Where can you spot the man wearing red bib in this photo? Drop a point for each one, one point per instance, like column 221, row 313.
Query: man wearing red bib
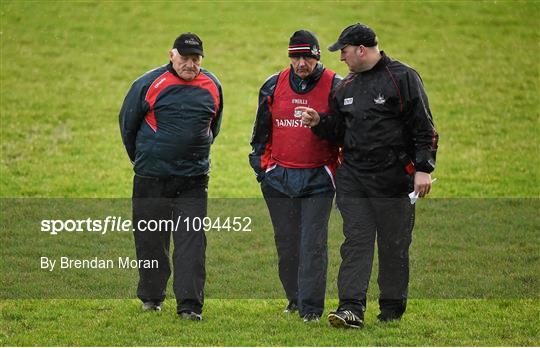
column 296, row 170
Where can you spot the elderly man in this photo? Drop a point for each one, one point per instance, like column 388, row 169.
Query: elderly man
column 296, row 171
column 170, row 117
column 381, row 114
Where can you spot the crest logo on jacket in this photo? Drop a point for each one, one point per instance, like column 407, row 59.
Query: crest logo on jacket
column 379, row 100
column 348, row 101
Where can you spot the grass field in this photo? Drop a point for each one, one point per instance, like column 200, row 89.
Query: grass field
column 65, row 68
column 261, row 323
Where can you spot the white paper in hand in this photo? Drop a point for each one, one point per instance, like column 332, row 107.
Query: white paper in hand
column 413, row 196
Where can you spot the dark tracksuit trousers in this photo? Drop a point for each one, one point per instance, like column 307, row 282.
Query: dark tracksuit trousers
column 374, row 206
column 301, row 236
column 167, row 199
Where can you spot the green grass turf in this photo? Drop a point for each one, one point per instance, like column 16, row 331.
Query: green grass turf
column 262, row 323
column 65, row 68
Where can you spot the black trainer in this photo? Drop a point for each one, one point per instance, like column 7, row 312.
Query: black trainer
column 151, row 306
column 190, row 315
column 389, row 315
column 291, row 307
column 391, row 309
column 346, row 319
column 311, row 318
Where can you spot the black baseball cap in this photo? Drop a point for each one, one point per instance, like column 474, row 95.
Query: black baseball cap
column 189, row 43
column 355, row 35
column 304, row 43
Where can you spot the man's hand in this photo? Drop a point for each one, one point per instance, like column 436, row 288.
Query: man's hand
column 422, row 183
column 310, row 117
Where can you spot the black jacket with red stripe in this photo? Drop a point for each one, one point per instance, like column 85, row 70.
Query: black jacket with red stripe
column 382, row 115
column 295, row 182
column 168, row 124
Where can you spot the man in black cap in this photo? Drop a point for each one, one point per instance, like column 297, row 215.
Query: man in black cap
column 296, row 170
column 170, row 117
column 381, row 114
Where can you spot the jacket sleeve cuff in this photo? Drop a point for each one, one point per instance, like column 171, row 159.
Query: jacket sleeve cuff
column 426, row 167
column 317, row 130
column 425, row 161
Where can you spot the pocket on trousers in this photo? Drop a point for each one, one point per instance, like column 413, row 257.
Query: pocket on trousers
column 146, row 187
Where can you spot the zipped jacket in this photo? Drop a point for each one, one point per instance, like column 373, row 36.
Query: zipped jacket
column 290, row 177
column 168, row 124
column 382, row 115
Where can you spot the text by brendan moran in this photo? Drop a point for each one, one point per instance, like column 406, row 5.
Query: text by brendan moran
column 95, row 263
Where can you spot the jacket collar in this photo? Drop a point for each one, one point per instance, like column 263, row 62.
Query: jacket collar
column 382, row 62
column 305, row 85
